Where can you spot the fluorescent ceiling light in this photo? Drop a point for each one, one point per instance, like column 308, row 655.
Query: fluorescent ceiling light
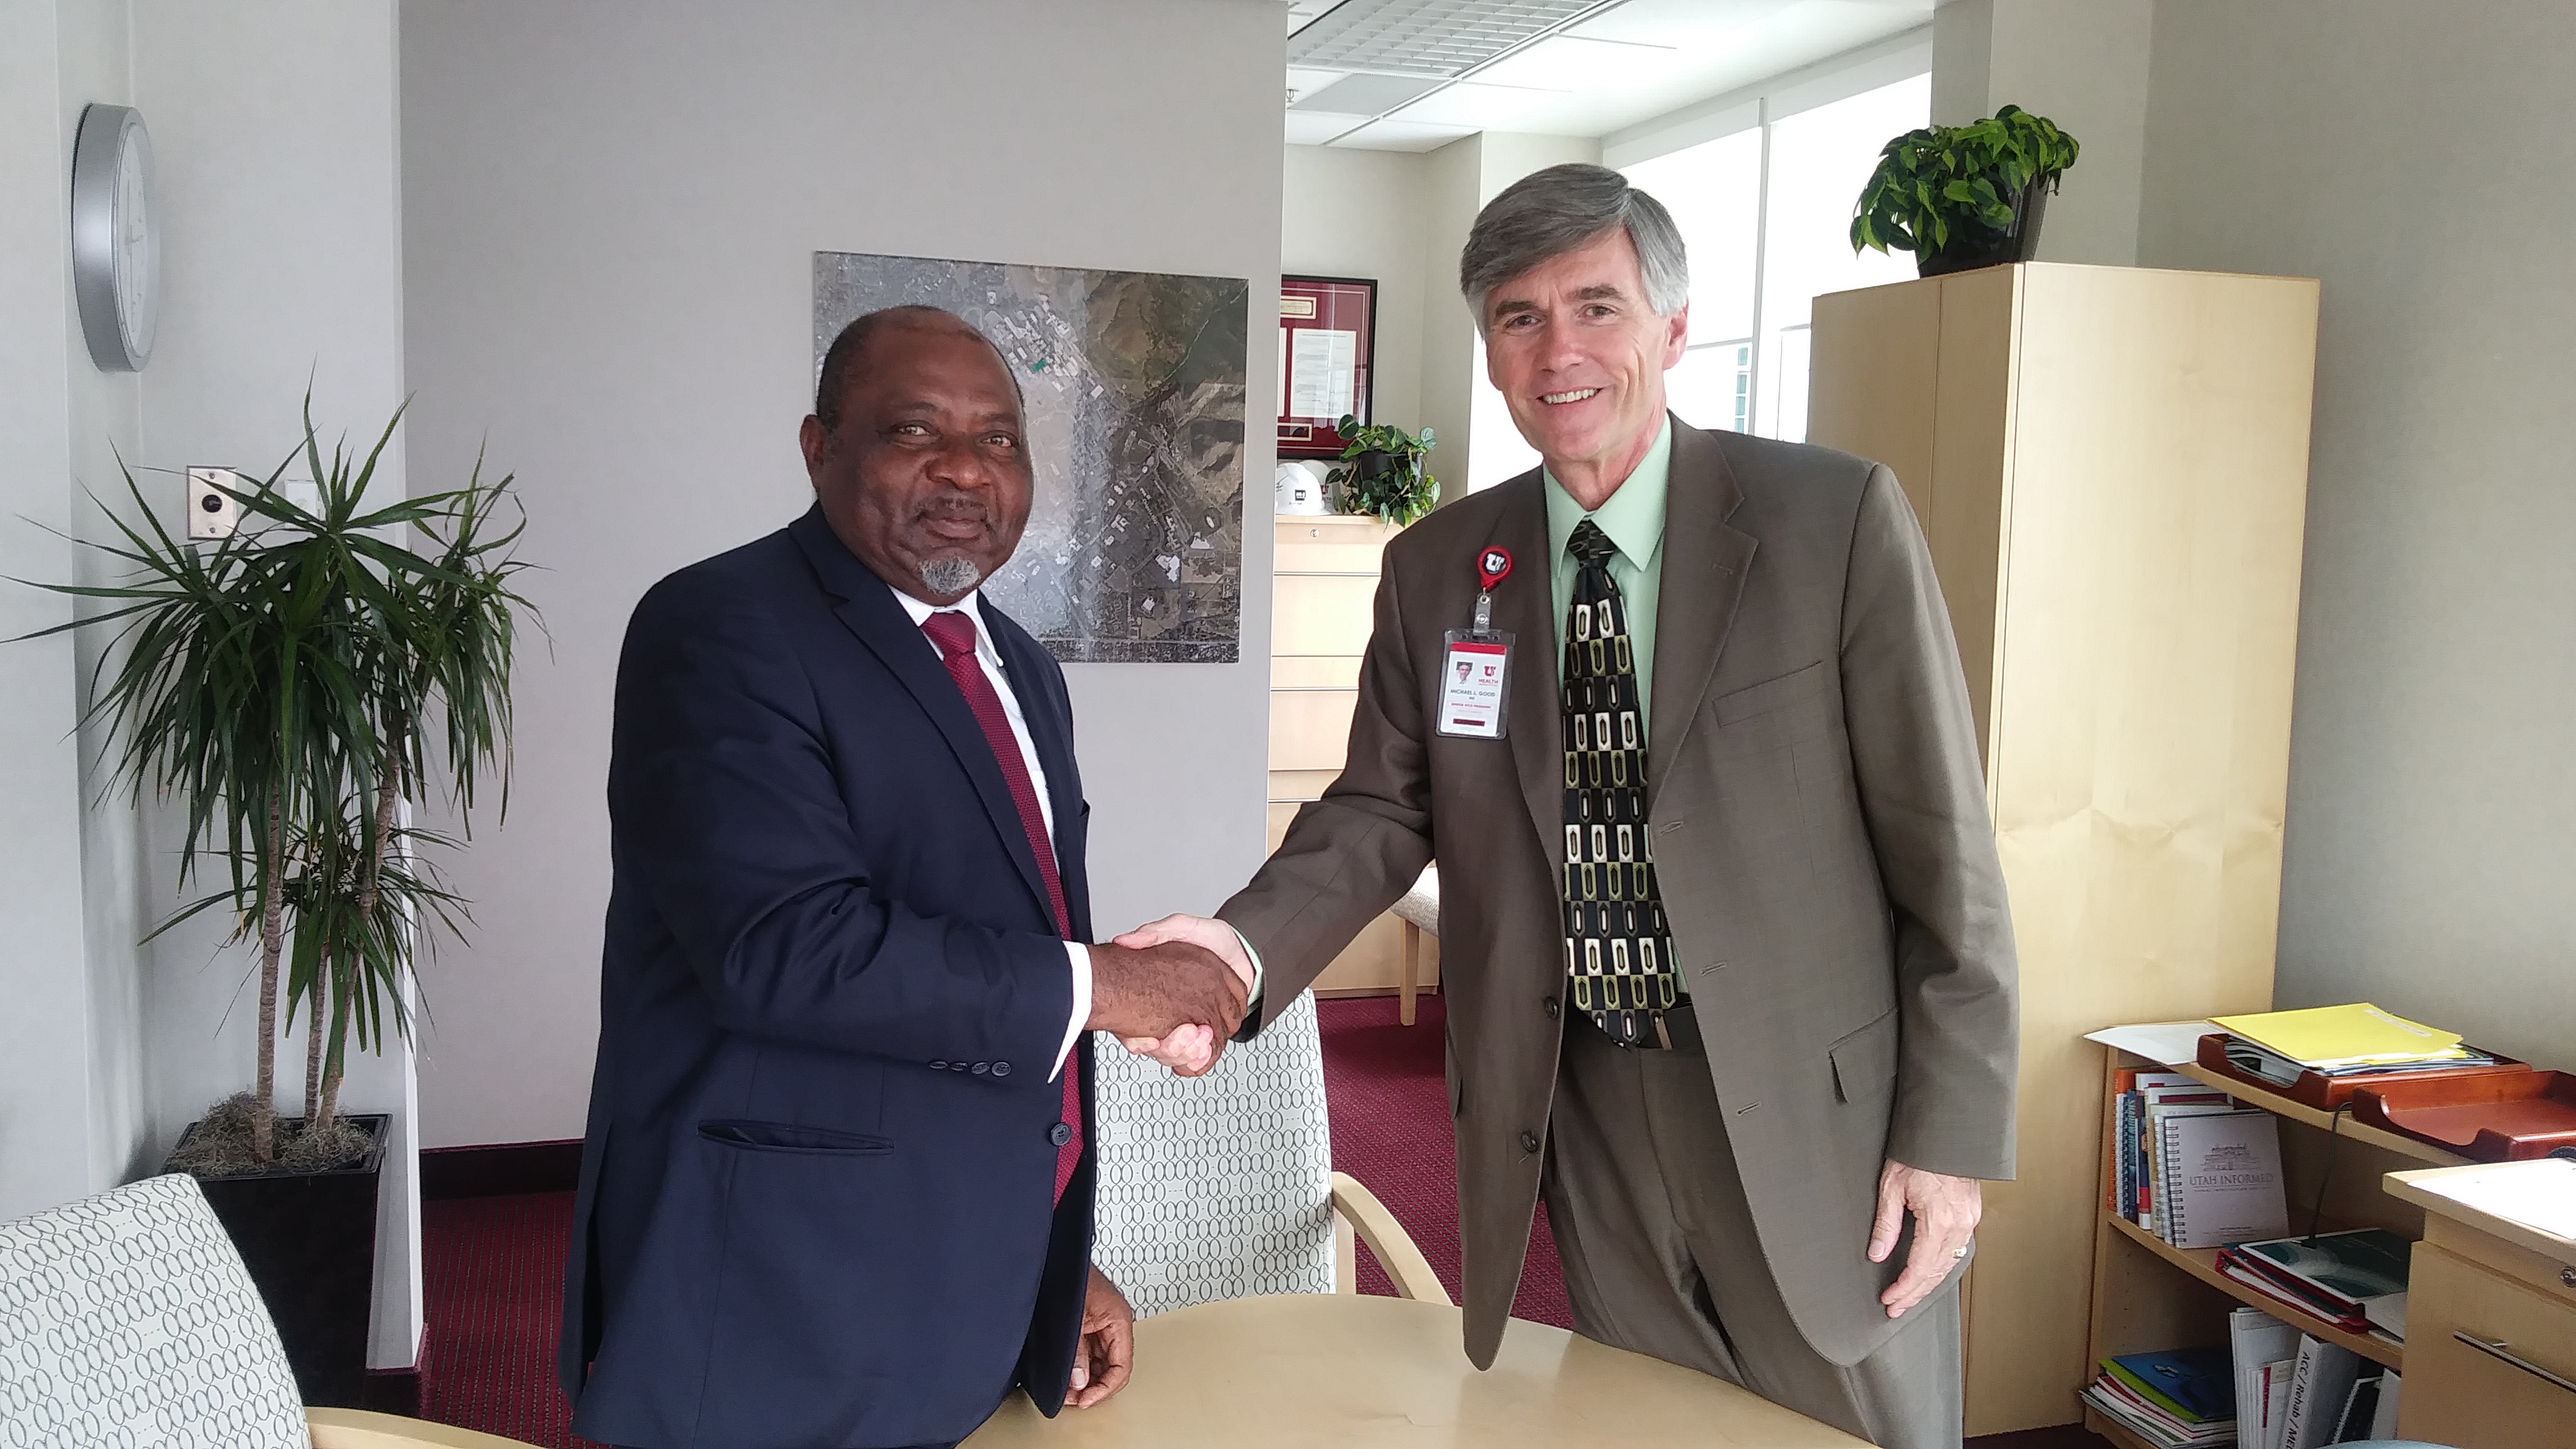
column 1436, row 38
column 1365, row 95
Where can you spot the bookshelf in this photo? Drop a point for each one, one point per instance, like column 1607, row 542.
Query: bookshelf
column 2148, row 1294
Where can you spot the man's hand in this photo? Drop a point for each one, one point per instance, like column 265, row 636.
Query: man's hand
column 1108, row 1343
column 1945, row 1211
column 1191, row 1050
column 1152, row 992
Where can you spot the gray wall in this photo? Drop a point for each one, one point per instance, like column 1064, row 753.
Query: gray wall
column 2417, row 169
column 2082, row 64
column 273, row 128
column 1361, row 214
column 610, row 211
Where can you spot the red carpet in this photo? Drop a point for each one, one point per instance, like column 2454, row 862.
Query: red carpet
column 494, row 1265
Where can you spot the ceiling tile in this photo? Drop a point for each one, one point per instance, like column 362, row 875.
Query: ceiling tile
column 1404, row 136
column 1487, row 108
column 1314, row 128
column 1682, row 24
column 1564, row 63
column 1437, row 38
column 1305, row 83
column 1365, row 95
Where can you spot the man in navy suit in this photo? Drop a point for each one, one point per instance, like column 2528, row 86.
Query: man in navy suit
column 837, row 1185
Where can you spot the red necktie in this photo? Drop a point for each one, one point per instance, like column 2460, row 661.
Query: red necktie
column 954, row 633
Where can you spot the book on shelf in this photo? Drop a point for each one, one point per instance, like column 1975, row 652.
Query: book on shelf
column 2256, row 1340
column 2192, row 1386
column 2320, row 1387
column 2236, row 1269
column 2383, row 1415
column 2143, row 1419
column 2161, row 1105
column 2343, row 1270
column 2276, row 1400
column 2222, row 1179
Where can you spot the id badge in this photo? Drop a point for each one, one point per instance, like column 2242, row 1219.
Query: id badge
column 1475, row 683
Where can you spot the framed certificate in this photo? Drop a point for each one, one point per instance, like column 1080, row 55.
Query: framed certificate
column 1327, row 346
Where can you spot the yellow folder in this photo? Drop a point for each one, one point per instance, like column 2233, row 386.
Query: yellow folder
column 2341, row 1036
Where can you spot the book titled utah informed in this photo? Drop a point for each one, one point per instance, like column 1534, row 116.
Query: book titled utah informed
column 2222, row 1179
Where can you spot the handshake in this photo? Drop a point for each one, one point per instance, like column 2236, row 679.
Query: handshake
column 1174, row 990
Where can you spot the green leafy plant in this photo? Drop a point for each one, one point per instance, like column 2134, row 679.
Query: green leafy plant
column 291, row 686
column 1382, row 471
column 1945, row 181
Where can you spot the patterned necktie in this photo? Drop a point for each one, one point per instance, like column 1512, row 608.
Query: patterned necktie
column 954, row 633
column 1618, row 948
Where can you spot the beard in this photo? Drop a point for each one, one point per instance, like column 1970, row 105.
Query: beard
column 950, row 575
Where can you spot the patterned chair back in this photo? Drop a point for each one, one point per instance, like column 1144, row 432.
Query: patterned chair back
column 127, row 1318
column 1219, row 1187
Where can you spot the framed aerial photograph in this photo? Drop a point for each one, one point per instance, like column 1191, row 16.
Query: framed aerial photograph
column 1327, row 349
column 1135, row 388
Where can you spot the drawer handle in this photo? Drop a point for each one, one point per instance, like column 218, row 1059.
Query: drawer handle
column 2498, row 1350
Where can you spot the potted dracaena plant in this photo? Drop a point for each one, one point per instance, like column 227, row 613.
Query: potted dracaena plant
column 292, row 687
column 1962, row 197
column 1382, row 471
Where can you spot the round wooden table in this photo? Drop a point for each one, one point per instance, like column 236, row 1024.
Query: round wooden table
column 1344, row 1369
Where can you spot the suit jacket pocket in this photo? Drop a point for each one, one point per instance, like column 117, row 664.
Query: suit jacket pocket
column 1865, row 1060
column 791, row 1137
column 1770, row 695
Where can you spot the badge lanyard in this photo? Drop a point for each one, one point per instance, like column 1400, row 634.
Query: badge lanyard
column 1475, row 668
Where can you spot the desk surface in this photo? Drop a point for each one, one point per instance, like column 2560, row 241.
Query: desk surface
column 1345, row 1369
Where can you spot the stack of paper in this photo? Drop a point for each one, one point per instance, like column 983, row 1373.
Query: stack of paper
column 2340, row 1041
column 2179, row 1400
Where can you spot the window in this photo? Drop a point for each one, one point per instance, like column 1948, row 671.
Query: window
column 1766, row 214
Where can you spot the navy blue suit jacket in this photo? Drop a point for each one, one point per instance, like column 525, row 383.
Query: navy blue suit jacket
column 815, row 1194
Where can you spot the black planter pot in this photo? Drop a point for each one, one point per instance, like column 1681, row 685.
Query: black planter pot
column 309, row 1240
column 1985, row 247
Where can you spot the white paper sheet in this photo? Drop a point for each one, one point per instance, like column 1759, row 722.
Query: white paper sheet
column 1323, row 372
column 2170, row 1042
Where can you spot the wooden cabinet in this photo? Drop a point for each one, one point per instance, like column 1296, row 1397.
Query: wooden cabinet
column 2490, row 1321
column 1324, row 585
column 2111, row 467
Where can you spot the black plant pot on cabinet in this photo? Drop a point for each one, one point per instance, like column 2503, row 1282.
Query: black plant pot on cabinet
column 1974, row 247
column 309, row 1240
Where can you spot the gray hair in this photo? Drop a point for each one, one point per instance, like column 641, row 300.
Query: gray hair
column 1549, row 213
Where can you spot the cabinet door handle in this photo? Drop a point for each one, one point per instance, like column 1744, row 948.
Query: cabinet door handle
column 2498, row 1350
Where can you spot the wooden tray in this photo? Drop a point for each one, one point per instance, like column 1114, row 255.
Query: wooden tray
column 2314, row 1089
column 2488, row 1116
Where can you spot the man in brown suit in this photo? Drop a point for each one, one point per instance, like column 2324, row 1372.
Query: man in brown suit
column 1747, row 1021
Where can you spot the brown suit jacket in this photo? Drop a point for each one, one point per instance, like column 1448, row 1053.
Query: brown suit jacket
column 1820, row 832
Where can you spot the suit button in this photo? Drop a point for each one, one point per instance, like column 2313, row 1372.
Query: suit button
column 1529, row 1142
column 980, row 1068
column 1001, row 1069
column 939, row 1066
column 1549, row 1006
column 1060, row 1134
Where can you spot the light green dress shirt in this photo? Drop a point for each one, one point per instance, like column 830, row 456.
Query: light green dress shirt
column 1633, row 517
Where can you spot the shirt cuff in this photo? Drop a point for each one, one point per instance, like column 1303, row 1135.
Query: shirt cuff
column 1252, row 956
column 1080, row 956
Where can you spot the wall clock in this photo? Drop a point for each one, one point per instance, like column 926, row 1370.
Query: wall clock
column 116, row 242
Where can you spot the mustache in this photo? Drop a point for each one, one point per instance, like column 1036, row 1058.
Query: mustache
column 955, row 507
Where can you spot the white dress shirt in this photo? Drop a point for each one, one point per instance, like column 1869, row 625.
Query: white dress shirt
column 991, row 658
